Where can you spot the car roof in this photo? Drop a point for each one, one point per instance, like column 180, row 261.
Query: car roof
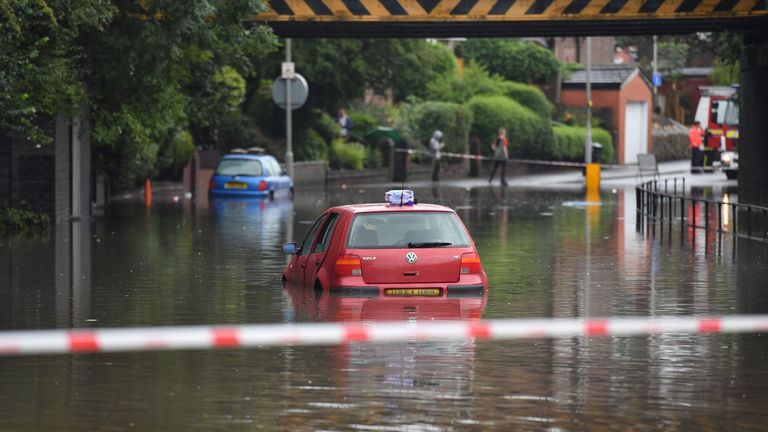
column 247, row 156
column 384, row 207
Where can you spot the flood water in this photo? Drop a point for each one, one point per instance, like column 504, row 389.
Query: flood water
column 546, row 255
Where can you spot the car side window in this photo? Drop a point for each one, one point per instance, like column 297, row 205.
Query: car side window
column 325, row 236
column 305, row 245
column 276, row 170
column 273, row 168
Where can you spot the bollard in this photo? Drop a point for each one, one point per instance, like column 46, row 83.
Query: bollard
column 593, row 179
column 148, row 193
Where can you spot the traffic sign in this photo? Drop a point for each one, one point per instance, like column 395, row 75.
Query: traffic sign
column 299, row 91
column 288, row 70
column 656, row 79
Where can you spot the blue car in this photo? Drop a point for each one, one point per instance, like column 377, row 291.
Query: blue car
column 250, row 175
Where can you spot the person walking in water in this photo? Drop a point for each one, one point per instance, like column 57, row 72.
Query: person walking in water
column 500, row 155
column 695, row 140
column 435, row 145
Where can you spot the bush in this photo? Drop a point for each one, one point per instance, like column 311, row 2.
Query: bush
column 460, row 87
column 529, row 134
column 569, row 143
column 420, row 121
column 310, row 145
column 326, row 126
column 347, row 155
column 362, row 123
column 528, row 96
column 21, row 220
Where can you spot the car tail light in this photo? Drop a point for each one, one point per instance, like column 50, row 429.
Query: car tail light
column 263, row 185
column 210, row 184
column 470, row 264
column 348, row 265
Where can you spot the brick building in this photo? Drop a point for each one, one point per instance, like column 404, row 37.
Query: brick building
column 623, row 94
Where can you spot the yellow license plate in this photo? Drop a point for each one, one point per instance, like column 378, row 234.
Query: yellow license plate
column 235, row 185
column 412, row 292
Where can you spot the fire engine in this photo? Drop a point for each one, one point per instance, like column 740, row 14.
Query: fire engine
column 718, row 113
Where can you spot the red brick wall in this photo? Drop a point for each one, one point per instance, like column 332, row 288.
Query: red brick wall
column 603, row 48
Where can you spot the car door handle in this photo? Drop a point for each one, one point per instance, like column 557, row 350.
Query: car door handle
column 317, row 263
column 303, row 265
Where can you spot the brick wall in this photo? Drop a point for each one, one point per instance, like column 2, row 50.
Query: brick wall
column 603, row 49
column 34, row 175
column 5, row 170
column 753, row 130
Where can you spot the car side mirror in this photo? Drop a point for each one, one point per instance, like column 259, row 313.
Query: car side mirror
column 290, row 248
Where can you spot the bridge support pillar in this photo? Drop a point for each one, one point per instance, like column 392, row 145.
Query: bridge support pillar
column 753, row 128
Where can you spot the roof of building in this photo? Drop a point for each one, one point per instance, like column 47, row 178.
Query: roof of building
column 697, row 71
column 605, row 76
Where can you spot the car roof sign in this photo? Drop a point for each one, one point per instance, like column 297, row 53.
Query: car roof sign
column 399, row 197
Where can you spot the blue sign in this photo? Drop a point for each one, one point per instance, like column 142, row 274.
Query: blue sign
column 656, row 79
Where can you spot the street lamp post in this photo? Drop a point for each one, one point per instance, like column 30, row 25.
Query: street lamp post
column 588, row 138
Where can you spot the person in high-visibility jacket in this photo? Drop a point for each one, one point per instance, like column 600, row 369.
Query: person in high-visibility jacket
column 696, row 140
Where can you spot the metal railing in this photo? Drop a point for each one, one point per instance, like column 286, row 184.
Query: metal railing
column 665, row 201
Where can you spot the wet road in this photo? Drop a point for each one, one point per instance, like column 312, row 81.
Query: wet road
column 545, row 254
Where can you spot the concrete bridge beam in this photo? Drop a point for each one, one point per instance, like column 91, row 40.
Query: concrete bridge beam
column 753, row 123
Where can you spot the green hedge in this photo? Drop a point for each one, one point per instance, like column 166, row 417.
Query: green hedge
column 420, row 121
column 362, row 123
column 530, row 136
column 569, row 143
column 347, row 155
column 528, row 96
column 310, row 145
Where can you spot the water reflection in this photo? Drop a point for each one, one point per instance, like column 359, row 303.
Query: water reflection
column 221, row 262
column 315, row 305
column 397, row 384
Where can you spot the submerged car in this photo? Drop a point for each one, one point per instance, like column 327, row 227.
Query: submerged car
column 250, row 174
column 394, row 249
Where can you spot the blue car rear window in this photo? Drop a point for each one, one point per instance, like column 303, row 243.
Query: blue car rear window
column 239, row 167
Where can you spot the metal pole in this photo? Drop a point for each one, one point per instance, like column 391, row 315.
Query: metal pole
column 288, row 115
column 655, row 70
column 588, row 138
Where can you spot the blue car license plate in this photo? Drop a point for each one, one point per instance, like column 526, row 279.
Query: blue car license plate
column 235, row 185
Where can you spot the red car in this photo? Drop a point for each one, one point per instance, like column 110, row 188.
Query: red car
column 391, row 249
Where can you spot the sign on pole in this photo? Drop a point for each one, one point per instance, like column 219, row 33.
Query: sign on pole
column 299, row 91
column 656, row 79
column 288, row 70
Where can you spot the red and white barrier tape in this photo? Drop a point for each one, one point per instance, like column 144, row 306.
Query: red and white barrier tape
column 30, row 342
column 520, row 161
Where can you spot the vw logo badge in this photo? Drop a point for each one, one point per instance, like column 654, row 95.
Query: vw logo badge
column 410, row 257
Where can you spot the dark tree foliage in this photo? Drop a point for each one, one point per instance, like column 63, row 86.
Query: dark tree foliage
column 147, row 70
column 511, row 59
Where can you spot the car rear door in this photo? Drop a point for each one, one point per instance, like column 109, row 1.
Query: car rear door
column 296, row 269
column 320, row 248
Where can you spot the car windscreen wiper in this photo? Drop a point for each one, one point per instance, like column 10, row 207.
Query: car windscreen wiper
column 428, row 244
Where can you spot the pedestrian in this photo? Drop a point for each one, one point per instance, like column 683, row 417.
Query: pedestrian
column 695, row 140
column 345, row 124
column 500, row 155
column 435, row 145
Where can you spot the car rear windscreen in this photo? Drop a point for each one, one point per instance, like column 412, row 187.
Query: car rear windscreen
column 239, row 167
column 399, row 229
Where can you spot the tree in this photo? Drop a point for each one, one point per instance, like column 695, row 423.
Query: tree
column 167, row 67
column 148, row 70
column 512, row 59
column 38, row 60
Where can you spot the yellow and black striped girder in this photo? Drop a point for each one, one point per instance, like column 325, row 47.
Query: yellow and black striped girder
column 506, row 10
